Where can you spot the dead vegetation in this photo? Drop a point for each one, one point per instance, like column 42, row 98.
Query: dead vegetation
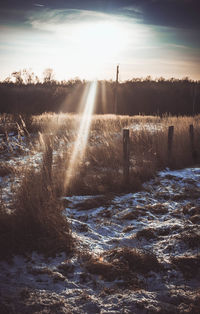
column 191, row 210
column 195, row 219
column 33, row 301
column 188, row 265
column 133, row 213
column 128, row 229
column 37, row 222
column 193, row 213
column 100, row 171
column 5, row 169
column 191, row 238
column 157, row 209
column 122, row 264
column 38, row 212
column 66, row 268
column 16, row 123
column 148, row 234
column 94, row 202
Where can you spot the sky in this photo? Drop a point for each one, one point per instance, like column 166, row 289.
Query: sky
column 88, row 39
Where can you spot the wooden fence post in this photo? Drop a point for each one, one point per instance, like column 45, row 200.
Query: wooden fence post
column 116, row 90
column 126, row 155
column 191, row 135
column 170, row 141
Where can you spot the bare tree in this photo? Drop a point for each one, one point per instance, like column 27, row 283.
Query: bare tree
column 48, row 75
column 18, row 77
column 28, row 76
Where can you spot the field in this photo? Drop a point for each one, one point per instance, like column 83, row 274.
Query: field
column 75, row 237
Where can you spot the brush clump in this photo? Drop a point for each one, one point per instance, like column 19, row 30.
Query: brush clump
column 37, row 222
column 188, row 265
column 122, row 263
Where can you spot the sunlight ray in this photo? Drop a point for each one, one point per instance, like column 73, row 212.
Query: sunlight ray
column 103, row 97
column 82, row 137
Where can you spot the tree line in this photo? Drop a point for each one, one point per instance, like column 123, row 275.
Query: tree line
column 23, row 92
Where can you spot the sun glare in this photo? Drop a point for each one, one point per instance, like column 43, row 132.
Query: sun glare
column 91, row 47
column 100, row 41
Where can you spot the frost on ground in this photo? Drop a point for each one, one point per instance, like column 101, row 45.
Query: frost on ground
column 136, row 253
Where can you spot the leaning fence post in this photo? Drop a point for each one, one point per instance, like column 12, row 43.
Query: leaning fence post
column 193, row 151
column 170, row 141
column 126, row 154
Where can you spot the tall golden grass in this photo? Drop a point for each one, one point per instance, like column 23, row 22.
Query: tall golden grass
column 101, row 169
column 37, row 221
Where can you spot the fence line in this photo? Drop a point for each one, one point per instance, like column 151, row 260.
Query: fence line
column 126, row 149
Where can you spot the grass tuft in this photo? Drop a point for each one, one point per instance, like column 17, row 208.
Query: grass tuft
column 5, row 169
column 148, row 233
column 188, row 265
column 122, row 263
column 37, row 222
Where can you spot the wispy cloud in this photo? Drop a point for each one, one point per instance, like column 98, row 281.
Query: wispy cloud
column 49, row 19
column 38, row 5
column 61, row 21
column 132, row 11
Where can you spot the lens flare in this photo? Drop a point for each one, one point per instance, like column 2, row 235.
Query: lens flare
column 82, row 137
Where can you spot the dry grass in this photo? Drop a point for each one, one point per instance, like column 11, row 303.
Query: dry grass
column 188, row 265
column 38, row 212
column 122, row 263
column 128, row 229
column 101, row 169
column 37, row 222
column 191, row 238
column 148, row 233
column 5, row 169
column 157, row 209
column 17, row 123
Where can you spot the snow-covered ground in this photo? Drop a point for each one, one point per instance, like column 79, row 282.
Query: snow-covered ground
column 150, row 127
column 162, row 219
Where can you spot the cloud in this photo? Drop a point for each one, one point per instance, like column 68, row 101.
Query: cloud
column 172, row 13
column 53, row 20
column 38, row 5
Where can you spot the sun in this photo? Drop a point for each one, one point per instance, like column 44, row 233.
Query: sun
column 98, row 43
column 90, row 48
column 100, row 40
